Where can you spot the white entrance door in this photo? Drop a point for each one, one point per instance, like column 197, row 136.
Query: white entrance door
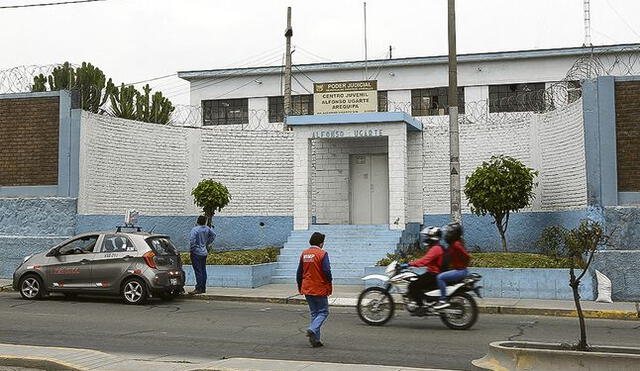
column 369, row 189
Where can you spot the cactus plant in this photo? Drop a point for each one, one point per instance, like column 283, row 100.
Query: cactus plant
column 90, row 81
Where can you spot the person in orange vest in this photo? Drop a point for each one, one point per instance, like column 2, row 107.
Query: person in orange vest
column 314, row 282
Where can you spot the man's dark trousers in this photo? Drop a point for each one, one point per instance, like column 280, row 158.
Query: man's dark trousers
column 199, row 264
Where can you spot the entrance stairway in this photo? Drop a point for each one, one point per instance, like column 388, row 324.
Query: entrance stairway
column 350, row 248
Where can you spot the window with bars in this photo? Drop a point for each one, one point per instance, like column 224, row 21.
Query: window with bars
column 383, row 103
column 225, row 112
column 300, row 105
column 518, row 97
column 574, row 91
column 434, row 101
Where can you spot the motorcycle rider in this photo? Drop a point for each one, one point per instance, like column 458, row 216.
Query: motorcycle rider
column 459, row 259
column 432, row 260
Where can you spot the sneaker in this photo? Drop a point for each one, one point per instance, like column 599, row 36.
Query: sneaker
column 318, row 344
column 312, row 338
column 441, row 305
column 196, row 292
column 419, row 312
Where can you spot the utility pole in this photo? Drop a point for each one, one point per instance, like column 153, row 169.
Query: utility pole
column 287, row 70
column 454, row 136
column 366, row 62
column 390, row 52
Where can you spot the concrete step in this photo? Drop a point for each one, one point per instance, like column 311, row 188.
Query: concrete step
column 349, row 250
column 336, row 280
column 365, row 259
column 338, row 272
column 334, row 266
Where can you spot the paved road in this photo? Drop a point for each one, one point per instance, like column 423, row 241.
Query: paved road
column 197, row 329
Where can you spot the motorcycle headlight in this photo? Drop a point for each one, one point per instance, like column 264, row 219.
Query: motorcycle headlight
column 26, row 258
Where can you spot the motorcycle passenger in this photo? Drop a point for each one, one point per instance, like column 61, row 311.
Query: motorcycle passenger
column 459, row 260
column 432, row 260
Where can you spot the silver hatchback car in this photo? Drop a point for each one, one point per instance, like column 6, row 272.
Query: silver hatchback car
column 134, row 265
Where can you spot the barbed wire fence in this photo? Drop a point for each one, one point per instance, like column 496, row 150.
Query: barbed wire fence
column 495, row 111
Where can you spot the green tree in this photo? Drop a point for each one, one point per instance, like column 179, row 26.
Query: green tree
column 87, row 79
column 211, row 196
column 499, row 187
column 575, row 245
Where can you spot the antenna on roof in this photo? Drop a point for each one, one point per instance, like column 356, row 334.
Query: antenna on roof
column 366, row 77
column 587, row 24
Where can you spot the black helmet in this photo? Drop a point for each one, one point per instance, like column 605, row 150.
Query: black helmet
column 453, row 232
column 431, row 234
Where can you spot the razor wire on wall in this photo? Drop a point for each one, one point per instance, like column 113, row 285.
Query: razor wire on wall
column 517, row 107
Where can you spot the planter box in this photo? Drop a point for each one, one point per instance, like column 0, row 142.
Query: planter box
column 517, row 355
column 246, row 276
column 520, row 283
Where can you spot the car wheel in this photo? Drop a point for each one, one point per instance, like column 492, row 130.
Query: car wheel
column 31, row 287
column 134, row 291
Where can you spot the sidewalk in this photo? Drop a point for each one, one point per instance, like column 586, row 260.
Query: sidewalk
column 55, row 358
column 346, row 296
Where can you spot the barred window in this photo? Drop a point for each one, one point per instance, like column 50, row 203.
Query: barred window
column 574, row 91
column 276, row 109
column 434, row 101
column 300, row 105
column 225, row 112
column 518, row 97
column 383, row 103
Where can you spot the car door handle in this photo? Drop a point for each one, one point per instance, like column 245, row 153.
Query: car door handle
column 85, row 261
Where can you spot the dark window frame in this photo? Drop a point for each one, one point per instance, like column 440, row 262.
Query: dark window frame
column 225, row 112
column 518, row 97
column 434, row 101
column 383, row 101
column 301, row 105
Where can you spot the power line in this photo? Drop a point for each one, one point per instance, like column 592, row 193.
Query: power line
column 152, row 79
column 622, row 19
column 305, row 75
column 48, row 4
column 299, row 83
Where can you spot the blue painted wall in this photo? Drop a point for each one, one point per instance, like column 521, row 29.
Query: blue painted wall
column 32, row 225
column 234, row 232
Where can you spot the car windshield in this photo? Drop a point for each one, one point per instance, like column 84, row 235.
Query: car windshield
column 162, row 246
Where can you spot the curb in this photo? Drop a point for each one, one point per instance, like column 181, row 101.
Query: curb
column 38, row 363
column 488, row 309
column 626, row 315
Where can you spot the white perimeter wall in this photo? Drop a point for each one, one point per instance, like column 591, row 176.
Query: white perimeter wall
column 552, row 143
column 153, row 168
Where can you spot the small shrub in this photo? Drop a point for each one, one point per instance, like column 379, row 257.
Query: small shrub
column 239, row 257
column 551, row 241
column 494, row 260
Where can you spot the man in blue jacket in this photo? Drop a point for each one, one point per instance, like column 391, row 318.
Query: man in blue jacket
column 200, row 236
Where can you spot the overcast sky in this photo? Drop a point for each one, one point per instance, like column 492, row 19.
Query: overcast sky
column 132, row 40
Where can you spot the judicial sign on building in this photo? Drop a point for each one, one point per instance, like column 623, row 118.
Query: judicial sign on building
column 345, row 97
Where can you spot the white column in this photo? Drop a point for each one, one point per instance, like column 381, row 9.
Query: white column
column 476, row 100
column 397, row 176
column 399, row 101
column 301, row 180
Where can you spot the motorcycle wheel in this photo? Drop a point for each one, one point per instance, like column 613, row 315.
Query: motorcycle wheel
column 375, row 306
column 468, row 315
